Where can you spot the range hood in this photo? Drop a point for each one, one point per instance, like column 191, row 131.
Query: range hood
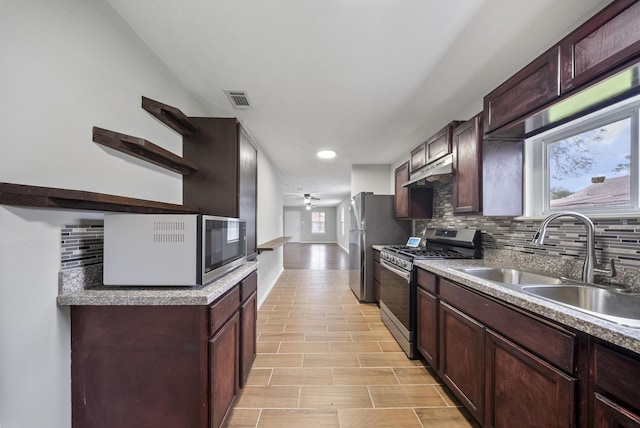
column 438, row 172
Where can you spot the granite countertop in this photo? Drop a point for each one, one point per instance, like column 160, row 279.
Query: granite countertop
column 197, row 295
column 626, row 337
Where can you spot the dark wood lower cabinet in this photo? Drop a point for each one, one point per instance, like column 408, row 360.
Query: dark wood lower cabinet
column 248, row 317
column 162, row 366
column 427, row 327
column 224, row 370
column 615, row 378
column 524, row 391
column 139, row 366
column 607, row 414
column 507, row 367
column 462, row 358
column 376, row 276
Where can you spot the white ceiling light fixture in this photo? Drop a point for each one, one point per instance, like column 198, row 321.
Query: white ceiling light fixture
column 326, row 154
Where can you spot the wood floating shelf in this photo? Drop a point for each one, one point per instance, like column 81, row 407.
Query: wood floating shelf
column 273, row 244
column 143, row 149
column 170, row 116
column 50, row 197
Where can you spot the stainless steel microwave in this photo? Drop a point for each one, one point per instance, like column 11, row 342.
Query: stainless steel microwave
column 171, row 249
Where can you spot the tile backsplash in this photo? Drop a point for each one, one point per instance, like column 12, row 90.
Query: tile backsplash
column 81, row 257
column 81, row 245
column 617, row 239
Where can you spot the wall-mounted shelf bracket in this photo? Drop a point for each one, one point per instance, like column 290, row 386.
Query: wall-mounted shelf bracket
column 143, row 149
column 170, row 116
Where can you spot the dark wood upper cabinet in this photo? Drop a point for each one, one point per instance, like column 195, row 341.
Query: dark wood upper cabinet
column 411, row 202
column 530, row 101
column 437, row 146
column 226, row 181
column 467, row 163
column 607, row 41
column 418, row 157
column 532, row 87
column 440, row 144
column 401, row 198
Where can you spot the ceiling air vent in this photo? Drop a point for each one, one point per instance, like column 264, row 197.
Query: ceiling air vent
column 239, row 99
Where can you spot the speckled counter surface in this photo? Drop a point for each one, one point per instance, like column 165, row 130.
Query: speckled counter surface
column 199, row 295
column 626, row 337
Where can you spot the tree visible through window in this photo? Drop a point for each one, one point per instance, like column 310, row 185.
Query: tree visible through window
column 591, row 169
column 590, row 165
column 317, row 222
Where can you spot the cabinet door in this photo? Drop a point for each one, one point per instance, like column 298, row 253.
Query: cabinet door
column 223, row 371
column 376, row 278
column 439, row 145
column 462, row 358
column 139, row 366
column 532, row 87
column 609, row 40
column 248, row 317
column 401, row 198
column 467, row 161
column 427, row 327
column 248, row 191
column 607, row 414
column 418, row 157
column 523, row 390
column 615, row 374
column 411, row 202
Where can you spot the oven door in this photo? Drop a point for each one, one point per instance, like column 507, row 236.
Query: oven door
column 396, row 305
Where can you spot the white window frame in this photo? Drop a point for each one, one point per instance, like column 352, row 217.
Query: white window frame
column 324, row 222
column 536, row 186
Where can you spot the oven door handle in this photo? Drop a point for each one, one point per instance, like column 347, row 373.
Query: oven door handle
column 404, row 274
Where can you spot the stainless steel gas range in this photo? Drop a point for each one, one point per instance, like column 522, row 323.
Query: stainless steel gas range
column 398, row 278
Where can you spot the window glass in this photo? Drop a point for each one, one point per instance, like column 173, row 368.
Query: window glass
column 590, row 165
column 591, row 169
column 317, row 222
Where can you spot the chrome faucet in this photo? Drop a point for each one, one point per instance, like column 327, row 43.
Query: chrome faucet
column 589, row 269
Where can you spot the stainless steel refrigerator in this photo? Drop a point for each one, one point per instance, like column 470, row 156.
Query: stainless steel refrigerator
column 371, row 222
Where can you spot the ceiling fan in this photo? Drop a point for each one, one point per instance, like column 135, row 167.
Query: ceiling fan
column 308, row 198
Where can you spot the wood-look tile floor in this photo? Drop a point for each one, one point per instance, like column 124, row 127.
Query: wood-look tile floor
column 326, row 360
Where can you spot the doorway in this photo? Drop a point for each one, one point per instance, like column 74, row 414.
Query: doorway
column 292, row 225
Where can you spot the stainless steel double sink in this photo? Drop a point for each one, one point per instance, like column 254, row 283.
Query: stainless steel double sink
column 617, row 305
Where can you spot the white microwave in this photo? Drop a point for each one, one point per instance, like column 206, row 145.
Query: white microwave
column 171, row 249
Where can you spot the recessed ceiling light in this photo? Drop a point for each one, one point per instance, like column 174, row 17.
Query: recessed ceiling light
column 326, row 154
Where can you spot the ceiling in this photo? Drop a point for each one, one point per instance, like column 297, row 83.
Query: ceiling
column 369, row 79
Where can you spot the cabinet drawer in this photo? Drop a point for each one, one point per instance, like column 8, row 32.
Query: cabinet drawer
column 248, row 286
column 427, row 281
column 548, row 341
column 616, row 374
column 223, row 308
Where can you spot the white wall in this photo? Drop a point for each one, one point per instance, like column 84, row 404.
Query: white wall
column 371, row 178
column 270, row 224
column 305, row 224
column 343, row 238
column 68, row 65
